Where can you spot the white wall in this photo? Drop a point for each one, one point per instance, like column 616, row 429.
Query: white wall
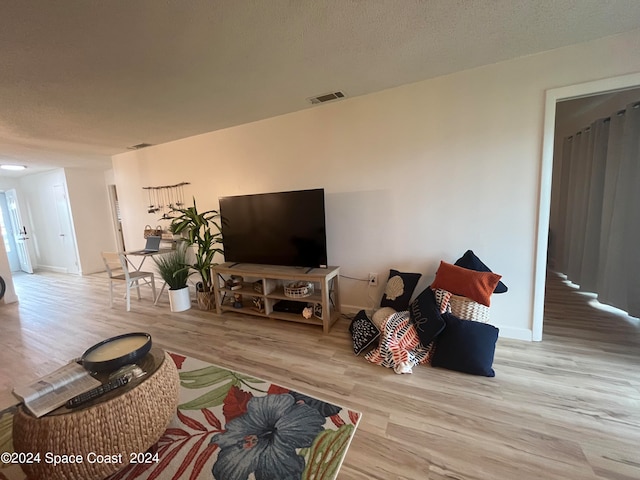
column 8, row 183
column 89, row 210
column 412, row 175
column 109, row 177
column 91, row 214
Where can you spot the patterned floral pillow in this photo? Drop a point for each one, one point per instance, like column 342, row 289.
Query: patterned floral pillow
column 363, row 332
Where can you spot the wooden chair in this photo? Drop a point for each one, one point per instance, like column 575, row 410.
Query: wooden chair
column 118, row 271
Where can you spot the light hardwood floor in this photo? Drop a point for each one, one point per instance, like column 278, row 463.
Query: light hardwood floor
column 564, row 408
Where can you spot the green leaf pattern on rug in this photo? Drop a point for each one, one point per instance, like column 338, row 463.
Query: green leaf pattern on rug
column 325, row 454
column 204, row 377
column 208, row 376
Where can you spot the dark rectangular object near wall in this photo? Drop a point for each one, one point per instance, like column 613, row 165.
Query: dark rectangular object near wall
column 283, row 228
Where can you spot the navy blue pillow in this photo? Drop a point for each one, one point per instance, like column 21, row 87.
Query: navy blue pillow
column 466, row 346
column 470, row 261
column 425, row 316
column 400, row 287
column 363, row 332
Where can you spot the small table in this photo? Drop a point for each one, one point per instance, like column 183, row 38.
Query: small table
column 138, row 267
column 125, row 421
column 139, row 253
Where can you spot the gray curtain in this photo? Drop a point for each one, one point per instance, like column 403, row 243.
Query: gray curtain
column 600, row 210
column 599, row 140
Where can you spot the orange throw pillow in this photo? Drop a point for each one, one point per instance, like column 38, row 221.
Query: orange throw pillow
column 478, row 286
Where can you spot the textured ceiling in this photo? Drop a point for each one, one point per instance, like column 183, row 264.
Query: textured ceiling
column 80, row 80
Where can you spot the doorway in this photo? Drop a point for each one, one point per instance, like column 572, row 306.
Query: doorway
column 116, row 217
column 7, row 232
column 19, row 232
column 553, row 96
column 66, row 236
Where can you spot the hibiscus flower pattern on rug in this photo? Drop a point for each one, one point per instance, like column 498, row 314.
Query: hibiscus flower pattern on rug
column 264, row 440
column 232, row 426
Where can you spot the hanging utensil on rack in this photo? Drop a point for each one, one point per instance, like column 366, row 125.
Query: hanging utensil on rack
column 151, row 205
column 166, row 199
column 180, row 194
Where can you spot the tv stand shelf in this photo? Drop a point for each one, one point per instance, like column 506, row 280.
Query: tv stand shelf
column 325, row 299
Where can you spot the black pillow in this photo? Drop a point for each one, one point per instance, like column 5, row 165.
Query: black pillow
column 363, row 332
column 466, row 346
column 425, row 316
column 400, row 287
column 470, row 261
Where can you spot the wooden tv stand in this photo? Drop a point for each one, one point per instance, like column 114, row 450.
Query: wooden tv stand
column 325, row 297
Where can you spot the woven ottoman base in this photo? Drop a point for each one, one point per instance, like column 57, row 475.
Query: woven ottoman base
column 462, row 307
column 98, row 441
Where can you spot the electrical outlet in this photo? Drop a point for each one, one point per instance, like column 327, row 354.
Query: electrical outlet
column 373, row 279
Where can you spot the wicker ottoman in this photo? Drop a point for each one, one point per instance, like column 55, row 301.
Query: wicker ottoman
column 103, row 435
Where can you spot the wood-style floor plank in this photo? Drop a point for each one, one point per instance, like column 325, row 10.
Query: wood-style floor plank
column 564, row 408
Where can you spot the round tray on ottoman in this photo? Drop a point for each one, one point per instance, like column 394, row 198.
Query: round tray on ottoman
column 102, row 435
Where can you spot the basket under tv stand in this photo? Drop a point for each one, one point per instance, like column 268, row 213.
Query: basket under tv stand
column 272, row 279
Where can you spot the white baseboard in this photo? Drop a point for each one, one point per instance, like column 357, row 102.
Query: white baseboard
column 515, row 333
column 353, row 309
column 49, row 268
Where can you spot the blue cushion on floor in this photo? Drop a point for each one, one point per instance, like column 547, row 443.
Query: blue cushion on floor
column 466, row 346
column 363, row 332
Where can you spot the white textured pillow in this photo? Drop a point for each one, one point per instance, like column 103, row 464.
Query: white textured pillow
column 381, row 315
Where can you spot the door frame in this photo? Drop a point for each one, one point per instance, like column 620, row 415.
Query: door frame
column 115, row 217
column 23, row 249
column 546, row 170
column 14, row 261
column 65, row 219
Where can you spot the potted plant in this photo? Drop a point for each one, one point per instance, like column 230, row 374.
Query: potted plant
column 174, row 270
column 202, row 231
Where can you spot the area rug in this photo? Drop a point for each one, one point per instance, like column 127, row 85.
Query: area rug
column 232, row 426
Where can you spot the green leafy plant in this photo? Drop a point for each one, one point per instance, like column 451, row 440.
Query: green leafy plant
column 202, row 231
column 173, row 267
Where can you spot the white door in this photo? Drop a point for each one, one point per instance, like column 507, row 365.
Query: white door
column 68, row 251
column 6, row 228
column 21, row 235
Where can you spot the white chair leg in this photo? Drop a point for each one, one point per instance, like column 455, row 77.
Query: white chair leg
column 128, row 298
column 155, row 302
column 138, row 288
column 153, row 288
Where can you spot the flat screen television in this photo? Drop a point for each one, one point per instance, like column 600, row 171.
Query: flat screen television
column 283, row 228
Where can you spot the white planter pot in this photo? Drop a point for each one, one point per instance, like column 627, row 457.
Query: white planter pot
column 180, row 300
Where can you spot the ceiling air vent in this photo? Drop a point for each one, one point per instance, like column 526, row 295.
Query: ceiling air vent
column 139, row 146
column 327, row 97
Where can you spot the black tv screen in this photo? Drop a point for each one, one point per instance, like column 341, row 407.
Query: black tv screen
column 284, row 228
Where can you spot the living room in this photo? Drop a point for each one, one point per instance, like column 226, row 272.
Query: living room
column 413, row 175
column 382, row 159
